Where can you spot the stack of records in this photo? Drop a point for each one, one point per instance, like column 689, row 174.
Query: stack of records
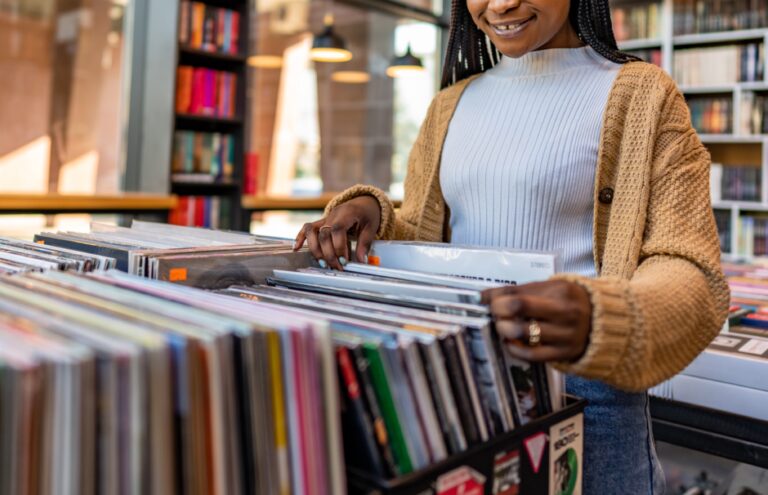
column 21, row 256
column 110, row 383
column 423, row 374
column 190, row 256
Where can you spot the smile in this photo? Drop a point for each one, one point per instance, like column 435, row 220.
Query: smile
column 511, row 29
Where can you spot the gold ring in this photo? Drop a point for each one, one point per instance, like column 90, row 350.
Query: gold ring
column 534, row 333
column 325, row 227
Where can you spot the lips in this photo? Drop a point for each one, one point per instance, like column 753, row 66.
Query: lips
column 511, row 28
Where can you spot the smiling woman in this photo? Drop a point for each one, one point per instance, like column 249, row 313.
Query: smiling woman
column 547, row 137
column 535, row 25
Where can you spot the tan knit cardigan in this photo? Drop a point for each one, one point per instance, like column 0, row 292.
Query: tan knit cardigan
column 660, row 296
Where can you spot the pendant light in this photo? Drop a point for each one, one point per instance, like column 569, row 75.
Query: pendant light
column 405, row 64
column 329, row 46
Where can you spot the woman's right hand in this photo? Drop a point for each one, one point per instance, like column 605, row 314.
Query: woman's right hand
column 329, row 238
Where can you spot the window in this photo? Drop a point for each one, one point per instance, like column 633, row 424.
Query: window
column 318, row 126
column 62, row 83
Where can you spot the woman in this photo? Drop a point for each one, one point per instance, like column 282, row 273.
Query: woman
column 547, row 137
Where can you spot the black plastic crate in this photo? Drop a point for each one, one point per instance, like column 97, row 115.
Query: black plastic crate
column 516, row 463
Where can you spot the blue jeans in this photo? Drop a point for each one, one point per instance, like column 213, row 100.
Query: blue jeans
column 619, row 451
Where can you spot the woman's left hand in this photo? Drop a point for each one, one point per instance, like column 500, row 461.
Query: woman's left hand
column 562, row 310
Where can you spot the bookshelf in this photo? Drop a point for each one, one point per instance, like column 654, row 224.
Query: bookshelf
column 208, row 146
column 718, row 58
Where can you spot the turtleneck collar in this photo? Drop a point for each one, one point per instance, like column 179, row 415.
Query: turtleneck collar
column 551, row 61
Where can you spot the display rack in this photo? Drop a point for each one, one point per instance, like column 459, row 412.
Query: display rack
column 727, row 148
column 535, row 476
column 230, row 189
column 739, row 438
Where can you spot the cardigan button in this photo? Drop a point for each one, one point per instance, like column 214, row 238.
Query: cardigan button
column 606, row 196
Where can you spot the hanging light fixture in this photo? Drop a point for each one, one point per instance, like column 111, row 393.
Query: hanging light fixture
column 405, row 64
column 329, row 46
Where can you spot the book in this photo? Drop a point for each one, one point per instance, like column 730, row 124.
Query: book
column 203, row 157
column 705, row 16
column 712, row 115
column 209, row 28
column 736, row 63
column 203, row 91
column 636, row 21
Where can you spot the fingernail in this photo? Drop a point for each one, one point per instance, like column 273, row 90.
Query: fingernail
column 343, row 260
column 295, row 245
column 323, row 264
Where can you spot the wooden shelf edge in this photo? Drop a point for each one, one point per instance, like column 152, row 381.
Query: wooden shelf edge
column 732, row 138
column 33, row 203
column 640, row 44
column 719, row 37
column 296, row 203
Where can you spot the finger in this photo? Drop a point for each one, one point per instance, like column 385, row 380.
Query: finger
column 521, row 331
column 340, row 241
column 326, row 245
column 310, row 231
column 543, row 353
column 490, row 294
column 529, row 307
column 299, row 241
column 364, row 240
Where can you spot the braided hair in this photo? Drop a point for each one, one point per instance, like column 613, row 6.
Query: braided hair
column 471, row 52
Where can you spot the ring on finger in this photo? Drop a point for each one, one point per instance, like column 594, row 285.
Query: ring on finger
column 534, row 333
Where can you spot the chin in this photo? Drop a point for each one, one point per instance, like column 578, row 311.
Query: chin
column 515, row 49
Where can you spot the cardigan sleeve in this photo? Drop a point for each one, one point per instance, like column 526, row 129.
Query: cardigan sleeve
column 404, row 224
column 650, row 327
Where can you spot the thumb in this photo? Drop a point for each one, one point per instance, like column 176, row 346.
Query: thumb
column 364, row 240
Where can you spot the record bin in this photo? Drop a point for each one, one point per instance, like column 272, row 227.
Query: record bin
column 543, row 457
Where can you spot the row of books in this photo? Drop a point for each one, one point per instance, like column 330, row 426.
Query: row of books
column 752, row 232
column 208, row 28
column 201, row 211
column 209, row 155
column 724, row 230
column 735, row 183
column 241, row 390
column 18, row 256
column 754, row 113
column 712, row 114
column 652, row 56
column 201, row 91
column 735, row 63
column 704, row 16
column 636, row 21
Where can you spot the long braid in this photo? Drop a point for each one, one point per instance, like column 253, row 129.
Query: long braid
column 470, row 51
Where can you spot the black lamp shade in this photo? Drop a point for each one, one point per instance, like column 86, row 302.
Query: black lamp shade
column 405, row 63
column 329, row 47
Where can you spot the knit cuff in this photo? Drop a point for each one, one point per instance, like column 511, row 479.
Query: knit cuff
column 612, row 321
column 387, row 224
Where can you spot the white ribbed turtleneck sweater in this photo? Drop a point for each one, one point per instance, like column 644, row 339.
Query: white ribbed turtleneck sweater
column 518, row 164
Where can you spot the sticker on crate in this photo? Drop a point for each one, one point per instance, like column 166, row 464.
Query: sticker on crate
column 506, row 473
column 566, row 448
column 535, row 445
column 461, row 481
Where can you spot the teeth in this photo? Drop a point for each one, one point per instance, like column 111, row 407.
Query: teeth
column 510, row 27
